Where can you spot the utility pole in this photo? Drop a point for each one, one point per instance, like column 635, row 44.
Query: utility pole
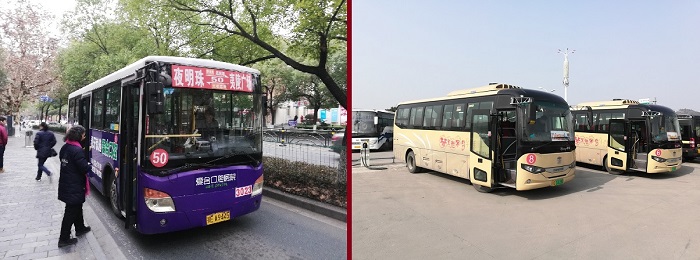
column 566, row 71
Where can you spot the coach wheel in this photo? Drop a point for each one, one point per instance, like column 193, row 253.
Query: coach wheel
column 482, row 189
column 607, row 168
column 113, row 199
column 411, row 163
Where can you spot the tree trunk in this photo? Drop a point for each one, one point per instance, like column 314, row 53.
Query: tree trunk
column 333, row 87
column 273, row 112
column 315, row 115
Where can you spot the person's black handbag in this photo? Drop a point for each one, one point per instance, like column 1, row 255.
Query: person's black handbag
column 53, row 152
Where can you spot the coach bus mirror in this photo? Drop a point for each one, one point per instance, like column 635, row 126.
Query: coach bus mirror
column 165, row 79
column 154, row 90
column 376, row 120
column 531, row 113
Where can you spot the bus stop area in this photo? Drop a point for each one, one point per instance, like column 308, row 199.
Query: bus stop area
column 31, row 214
column 397, row 214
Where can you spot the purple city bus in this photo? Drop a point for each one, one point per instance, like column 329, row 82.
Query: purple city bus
column 175, row 143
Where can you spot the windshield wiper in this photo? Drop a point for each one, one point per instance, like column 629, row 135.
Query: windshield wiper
column 540, row 146
column 232, row 154
column 187, row 166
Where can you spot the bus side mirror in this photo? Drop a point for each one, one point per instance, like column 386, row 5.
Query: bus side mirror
column 154, row 92
column 532, row 113
column 376, row 120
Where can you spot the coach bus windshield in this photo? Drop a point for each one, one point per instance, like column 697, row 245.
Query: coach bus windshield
column 363, row 123
column 664, row 128
column 200, row 125
column 553, row 122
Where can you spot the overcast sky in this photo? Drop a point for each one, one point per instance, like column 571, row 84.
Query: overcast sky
column 407, row 50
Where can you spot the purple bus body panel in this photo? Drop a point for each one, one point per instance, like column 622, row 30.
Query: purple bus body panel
column 197, row 194
column 102, row 146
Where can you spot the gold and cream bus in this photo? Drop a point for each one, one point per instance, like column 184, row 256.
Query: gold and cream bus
column 643, row 137
column 495, row 136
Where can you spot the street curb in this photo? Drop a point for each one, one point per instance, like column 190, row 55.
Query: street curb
column 308, row 204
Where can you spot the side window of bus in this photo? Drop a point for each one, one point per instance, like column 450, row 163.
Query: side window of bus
column 603, row 122
column 458, row 117
column 432, row 117
column 112, row 108
column 473, row 106
column 582, row 122
column 98, row 98
column 402, row 117
column 617, row 116
column 447, row 117
column 416, row 120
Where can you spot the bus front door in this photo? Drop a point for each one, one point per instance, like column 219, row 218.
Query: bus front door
column 480, row 155
column 123, row 203
column 84, row 120
column 619, row 151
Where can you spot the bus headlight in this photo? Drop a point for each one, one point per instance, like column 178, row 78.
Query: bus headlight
column 532, row 168
column 572, row 165
column 257, row 187
column 658, row 159
column 373, row 141
column 158, row 201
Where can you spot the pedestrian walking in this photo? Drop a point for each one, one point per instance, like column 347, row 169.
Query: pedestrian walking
column 72, row 185
column 3, row 142
column 43, row 144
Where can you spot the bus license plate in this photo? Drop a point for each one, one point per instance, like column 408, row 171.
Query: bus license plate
column 218, row 217
column 673, row 169
column 558, row 182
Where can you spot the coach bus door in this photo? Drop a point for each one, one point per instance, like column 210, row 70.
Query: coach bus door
column 619, row 145
column 128, row 151
column 480, row 154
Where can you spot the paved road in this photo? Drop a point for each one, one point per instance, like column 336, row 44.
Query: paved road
column 398, row 215
column 276, row 231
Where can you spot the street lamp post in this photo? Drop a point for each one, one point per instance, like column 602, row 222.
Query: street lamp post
column 566, row 71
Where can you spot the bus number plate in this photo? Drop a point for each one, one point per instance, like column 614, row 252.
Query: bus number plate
column 673, row 169
column 218, row 217
column 558, row 182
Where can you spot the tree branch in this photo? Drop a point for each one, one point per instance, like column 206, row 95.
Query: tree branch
column 258, row 60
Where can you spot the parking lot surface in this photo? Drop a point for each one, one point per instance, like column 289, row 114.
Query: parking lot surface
column 399, row 215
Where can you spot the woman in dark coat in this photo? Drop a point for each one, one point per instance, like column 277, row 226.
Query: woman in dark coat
column 72, row 185
column 43, row 142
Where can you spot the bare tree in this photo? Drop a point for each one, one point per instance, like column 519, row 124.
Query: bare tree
column 29, row 55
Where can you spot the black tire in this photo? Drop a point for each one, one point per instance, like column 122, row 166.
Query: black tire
column 610, row 171
column 482, row 189
column 113, row 199
column 411, row 163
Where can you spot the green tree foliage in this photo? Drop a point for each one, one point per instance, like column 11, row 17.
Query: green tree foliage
column 290, row 30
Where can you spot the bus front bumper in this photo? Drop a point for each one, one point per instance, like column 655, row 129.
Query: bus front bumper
column 155, row 223
column 529, row 181
column 664, row 167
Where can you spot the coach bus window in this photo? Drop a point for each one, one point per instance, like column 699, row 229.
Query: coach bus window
column 112, row 108
column 582, row 122
column 416, row 117
column 447, row 117
column 402, row 117
column 97, row 102
column 458, row 117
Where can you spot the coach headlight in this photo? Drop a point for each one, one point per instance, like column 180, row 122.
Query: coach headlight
column 658, row 159
column 373, row 141
column 532, row 168
column 572, row 165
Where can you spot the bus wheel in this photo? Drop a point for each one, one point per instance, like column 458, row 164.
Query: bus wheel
column 411, row 163
column 113, row 199
column 482, row 189
column 607, row 168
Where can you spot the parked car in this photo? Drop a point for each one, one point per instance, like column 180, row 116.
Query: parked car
column 337, row 143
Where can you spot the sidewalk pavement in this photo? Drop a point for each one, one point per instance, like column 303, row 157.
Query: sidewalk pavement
column 31, row 214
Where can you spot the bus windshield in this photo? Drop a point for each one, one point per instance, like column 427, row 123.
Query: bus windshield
column 206, row 124
column 553, row 122
column 686, row 127
column 665, row 128
column 363, row 122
